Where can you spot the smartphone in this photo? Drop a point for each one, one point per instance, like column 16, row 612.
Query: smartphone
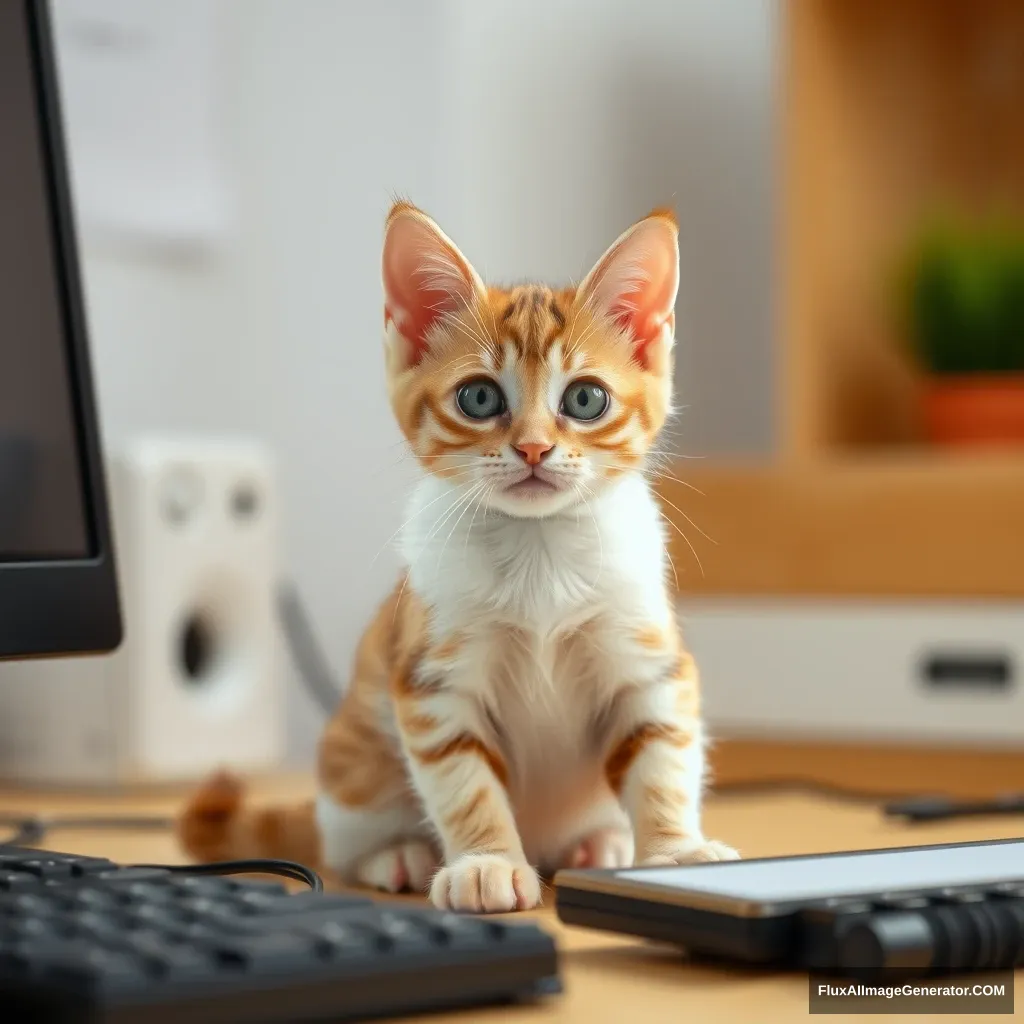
column 954, row 902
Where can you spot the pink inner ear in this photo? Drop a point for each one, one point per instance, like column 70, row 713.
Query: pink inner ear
column 637, row 280
column 643, row 312
column 424, row 278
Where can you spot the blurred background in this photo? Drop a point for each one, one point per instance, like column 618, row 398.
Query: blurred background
column 848, row 176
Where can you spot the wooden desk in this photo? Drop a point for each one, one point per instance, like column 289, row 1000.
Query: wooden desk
column 607, row 978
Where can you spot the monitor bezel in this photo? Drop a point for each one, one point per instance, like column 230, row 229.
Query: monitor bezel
column 66, row 606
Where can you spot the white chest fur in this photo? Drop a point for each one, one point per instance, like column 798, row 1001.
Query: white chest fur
column 545, row 575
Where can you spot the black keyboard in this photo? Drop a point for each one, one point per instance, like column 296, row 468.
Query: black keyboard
column 84, row 939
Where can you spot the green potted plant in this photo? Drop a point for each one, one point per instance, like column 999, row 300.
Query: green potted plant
column 962, row 295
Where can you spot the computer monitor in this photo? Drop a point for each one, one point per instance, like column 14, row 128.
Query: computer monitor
column 58, row 585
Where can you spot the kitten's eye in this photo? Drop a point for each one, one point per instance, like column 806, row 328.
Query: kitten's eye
column 584, row 401
column 481, row 399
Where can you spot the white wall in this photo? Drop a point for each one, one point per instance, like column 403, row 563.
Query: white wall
column 535, row 131
column 574, row 117
column 278, row 333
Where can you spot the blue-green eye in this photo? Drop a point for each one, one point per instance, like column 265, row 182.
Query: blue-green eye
column 481, row 399
column 584, row 400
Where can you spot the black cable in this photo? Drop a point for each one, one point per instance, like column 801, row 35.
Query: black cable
column 32, row 829
column 910, row 808
column 795, row 784
column 284, row 868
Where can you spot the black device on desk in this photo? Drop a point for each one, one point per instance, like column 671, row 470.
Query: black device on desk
column 914, row 911
column 83, row 939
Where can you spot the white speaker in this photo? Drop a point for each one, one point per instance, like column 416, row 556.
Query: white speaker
column 197, row 682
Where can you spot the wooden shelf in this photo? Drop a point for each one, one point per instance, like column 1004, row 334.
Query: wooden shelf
column 893, row 110
column 886, row 770
column 910, row 525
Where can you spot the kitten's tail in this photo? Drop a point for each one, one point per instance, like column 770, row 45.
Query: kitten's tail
column 217, row 824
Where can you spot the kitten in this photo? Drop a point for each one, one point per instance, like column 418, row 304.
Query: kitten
column 523, row 700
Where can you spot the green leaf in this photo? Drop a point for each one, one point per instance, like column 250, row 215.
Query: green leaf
column 961, row 296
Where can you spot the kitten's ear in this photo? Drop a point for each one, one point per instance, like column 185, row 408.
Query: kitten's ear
column 636, row 281
column 425, row 277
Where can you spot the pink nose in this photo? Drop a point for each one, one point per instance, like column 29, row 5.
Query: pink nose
column 533, row 453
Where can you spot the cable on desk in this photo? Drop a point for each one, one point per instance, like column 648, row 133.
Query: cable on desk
column 909, row 808
column 283, row 868
column 794, row 784
column 30, row 830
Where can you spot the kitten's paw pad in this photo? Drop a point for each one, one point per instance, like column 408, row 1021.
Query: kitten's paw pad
column 693, row 851
column 398, row 868
column 486, row 883
column 605, row 849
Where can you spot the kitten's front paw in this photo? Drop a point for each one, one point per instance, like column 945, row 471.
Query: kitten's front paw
column 486, row 883
column 691, row 851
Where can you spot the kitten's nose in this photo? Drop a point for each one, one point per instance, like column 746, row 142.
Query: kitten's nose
column 533, row 453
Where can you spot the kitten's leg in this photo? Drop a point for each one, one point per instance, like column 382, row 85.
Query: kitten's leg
column 604, row 849
column 462, row 782
column 404, row 866
column 599, row 836
column 372, row 831
column 384, row 848
column 656, row 765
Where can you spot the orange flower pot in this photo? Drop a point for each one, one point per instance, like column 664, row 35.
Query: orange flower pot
column 975, row 409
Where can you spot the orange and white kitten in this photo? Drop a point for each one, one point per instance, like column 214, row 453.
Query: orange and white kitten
column 523, row 700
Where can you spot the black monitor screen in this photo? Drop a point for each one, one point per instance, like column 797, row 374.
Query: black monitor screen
column 43, row 511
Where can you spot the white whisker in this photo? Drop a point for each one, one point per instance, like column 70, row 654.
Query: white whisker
column 478, row 489
column 411, row 519
column 678, row 529
column 688, row 519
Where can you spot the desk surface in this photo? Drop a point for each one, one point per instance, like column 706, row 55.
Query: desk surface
column 607, row 978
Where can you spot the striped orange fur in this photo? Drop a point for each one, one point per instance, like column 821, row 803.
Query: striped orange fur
column 523, row 700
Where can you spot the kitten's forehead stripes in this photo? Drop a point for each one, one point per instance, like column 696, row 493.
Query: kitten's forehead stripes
column 533, row 318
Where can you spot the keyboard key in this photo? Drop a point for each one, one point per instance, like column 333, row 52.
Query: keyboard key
column 14, row 880
column 34, row 903
column 81, row 963
column 292, row 912
column 81, row 866
column 260, row 900
column 160, row 914
column 403, row 934
column 92, row 897
column 100, row 926
column 127, row 876
column 47, row 868
column 272, row 952
column 178, row 963
column 203, row 885
column 319, row 901
column 339, row 938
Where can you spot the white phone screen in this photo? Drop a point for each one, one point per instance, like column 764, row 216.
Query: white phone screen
column 810, row 878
